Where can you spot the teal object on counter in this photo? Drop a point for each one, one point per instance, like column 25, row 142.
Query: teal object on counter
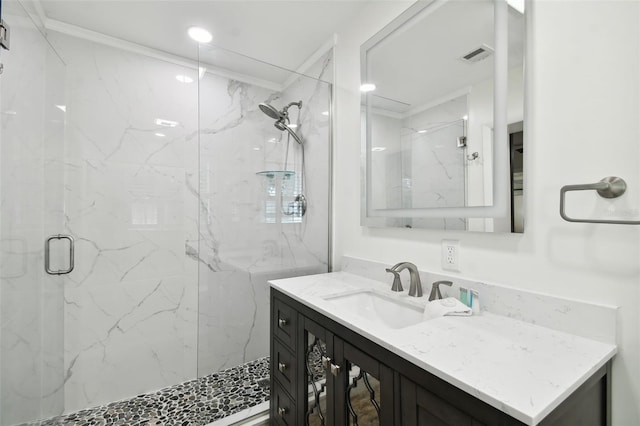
column 464, row 296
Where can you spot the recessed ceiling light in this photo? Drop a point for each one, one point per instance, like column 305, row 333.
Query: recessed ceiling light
column 378, row 148
column 160, row 135
column 367, row 87
column 166, row 123
column 325, row 113
column 184, row 78
column 62, row 108
column 422, row 131
column 200, row 35
column 466, row 117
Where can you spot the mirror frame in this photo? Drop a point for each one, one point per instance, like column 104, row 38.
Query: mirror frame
column 501, row 156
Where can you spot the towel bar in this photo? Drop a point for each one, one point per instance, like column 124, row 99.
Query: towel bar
column 609, row 187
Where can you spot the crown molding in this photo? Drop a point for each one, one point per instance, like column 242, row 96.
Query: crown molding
column 100, row 38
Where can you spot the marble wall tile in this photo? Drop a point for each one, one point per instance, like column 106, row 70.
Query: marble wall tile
column 243, row 240
column 31, row 143
column 131, row 302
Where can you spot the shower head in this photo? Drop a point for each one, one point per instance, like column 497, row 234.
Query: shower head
column 281, row 117
column 272, row 112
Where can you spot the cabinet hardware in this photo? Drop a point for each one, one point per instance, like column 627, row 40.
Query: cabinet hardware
column 282, row 366
column 282, row 322
column 326, row 362
column 335, row 369
column 282, row 411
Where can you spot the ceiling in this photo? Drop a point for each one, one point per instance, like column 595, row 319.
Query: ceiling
column 421, row 62
column 283, row 33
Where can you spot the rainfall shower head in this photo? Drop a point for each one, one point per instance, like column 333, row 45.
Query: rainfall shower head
column 272, row 112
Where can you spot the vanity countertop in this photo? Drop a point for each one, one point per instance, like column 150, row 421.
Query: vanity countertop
column 519, row 368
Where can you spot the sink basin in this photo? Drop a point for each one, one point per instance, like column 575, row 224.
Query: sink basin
column 388, row 310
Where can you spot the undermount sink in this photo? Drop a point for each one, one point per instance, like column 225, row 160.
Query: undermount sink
column 390, row 310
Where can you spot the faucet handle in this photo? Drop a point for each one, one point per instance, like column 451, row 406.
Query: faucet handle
column 435, row 289
column 397, row 283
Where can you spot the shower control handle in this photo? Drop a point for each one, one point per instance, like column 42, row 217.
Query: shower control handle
column 283, row 322
column 282, row 366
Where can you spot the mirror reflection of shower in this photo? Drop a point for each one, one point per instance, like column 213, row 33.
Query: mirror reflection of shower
column 283, row 123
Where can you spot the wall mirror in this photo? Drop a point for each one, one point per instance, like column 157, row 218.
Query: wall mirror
column 442, row 118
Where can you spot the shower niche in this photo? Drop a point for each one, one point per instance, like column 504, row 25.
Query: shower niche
column 281, row 200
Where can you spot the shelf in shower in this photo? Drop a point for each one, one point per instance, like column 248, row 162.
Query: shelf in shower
column 274, row 173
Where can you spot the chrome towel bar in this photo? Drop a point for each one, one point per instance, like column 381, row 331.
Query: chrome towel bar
column 609, row 187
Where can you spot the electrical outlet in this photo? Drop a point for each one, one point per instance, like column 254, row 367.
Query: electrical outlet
column 451, row 255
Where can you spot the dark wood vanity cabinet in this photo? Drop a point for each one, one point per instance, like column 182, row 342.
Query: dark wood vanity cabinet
column 323, row 373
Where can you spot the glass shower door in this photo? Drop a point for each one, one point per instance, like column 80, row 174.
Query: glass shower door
column 32, row 112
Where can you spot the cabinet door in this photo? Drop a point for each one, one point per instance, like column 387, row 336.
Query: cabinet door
column 315, row 390
column 364, row 388
column 420, row 407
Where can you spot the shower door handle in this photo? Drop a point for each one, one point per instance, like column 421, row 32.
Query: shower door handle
column 47, row 254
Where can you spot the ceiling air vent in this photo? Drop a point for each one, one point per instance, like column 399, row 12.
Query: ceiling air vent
column 478, row 54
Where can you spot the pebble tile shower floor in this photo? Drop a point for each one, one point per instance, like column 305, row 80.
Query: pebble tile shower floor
column 194, row 403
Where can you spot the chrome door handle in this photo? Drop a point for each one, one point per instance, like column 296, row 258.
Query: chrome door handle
column 282, row 366
column 282, row 322
column 282, row 411
column 47, row 244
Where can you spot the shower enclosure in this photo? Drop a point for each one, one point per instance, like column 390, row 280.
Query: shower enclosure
column 180, row 196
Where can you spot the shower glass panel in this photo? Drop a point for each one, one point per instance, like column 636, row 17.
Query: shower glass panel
column 32, row 114
column 131, row 302
column 254, row 179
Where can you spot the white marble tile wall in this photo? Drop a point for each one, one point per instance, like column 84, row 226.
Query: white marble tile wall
column 31, row 143
column 131, row 302
column 590, row 320
column 243, row 242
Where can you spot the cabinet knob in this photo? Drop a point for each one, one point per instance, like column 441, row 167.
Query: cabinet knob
column 326, row 362
column 282, row 322
column 282, row 366
column 282, row 411
column 335, row 369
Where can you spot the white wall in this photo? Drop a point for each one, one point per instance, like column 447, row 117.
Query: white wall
column 582, row 110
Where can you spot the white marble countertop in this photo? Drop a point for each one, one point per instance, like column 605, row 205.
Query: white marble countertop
column 519, row 368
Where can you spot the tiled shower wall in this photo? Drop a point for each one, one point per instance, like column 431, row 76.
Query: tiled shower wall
column 31, row 207
column 243, row 243
column 144, row 268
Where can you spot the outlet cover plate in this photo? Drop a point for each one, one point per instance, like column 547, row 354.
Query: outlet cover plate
column 451, row 255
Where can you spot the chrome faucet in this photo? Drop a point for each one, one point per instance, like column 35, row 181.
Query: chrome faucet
column 415, row 288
